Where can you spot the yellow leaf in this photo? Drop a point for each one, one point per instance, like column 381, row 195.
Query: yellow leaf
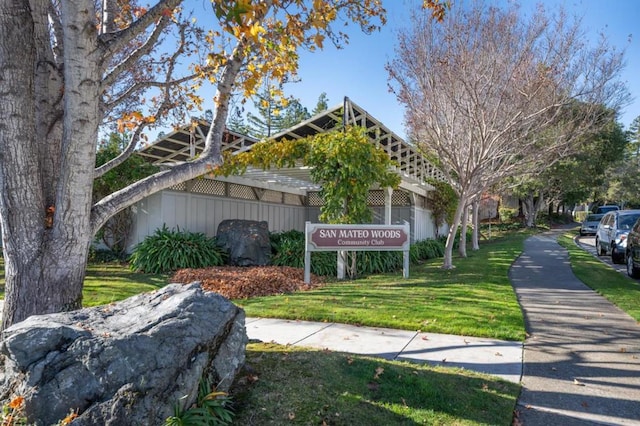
column 318, row 39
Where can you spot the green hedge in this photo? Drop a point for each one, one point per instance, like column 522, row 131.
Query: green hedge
column 288, row 250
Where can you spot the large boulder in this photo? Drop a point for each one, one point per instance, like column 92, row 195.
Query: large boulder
column 127, row 363
column 246, row 241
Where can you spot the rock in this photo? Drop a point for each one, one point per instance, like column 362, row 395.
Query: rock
column 127, row 363
column 246, row 241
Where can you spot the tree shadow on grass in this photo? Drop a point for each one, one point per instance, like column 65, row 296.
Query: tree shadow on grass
column 284, row 384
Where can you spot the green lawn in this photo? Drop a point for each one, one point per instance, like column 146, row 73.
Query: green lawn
column 474, row 299
column 618, row 288
column 292, row 385
column 286, row 385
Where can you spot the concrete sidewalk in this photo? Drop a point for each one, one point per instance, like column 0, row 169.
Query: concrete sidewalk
column 495, row 357
column 582, row 353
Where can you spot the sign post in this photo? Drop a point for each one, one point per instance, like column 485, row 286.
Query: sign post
column 323, row 237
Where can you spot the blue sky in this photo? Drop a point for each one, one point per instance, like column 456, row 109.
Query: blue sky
column 357, row 71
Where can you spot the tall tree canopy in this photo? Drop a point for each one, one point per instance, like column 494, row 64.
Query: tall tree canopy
column 491, row 94
column 84, row 64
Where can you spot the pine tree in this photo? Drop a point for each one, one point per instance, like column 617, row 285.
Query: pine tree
column 322, row 104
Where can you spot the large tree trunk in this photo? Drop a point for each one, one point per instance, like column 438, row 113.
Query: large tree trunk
column 49, row 118
column 46, row 184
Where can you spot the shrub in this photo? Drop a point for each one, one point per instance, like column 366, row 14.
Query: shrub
column 288, row 250
column 169, row 250
column 507, row 214
column 426, row 249
column 105, row 256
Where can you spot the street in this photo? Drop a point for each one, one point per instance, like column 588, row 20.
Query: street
column 589, row 243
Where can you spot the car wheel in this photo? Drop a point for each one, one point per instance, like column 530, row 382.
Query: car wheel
column 599, row 249
column 632, row 271
column 616, row 256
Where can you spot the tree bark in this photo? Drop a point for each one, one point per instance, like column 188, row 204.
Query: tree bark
column 476, row 225
column 462, row 244
column 451, row 236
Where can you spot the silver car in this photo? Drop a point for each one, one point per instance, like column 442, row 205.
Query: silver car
column 611, row 235
column 590, row 224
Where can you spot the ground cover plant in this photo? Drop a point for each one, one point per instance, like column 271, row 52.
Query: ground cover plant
column 619, row 289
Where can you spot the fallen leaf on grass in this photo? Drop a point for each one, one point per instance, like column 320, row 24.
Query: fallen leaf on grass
column 379, row 371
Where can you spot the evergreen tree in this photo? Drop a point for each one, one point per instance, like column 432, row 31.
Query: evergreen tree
column 322, row 104
column 294, row 113
column 268, row 120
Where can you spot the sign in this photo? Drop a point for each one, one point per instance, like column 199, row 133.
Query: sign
column 341, row 238
column 357, row 237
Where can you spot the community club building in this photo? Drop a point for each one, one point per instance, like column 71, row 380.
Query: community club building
column 284, row 198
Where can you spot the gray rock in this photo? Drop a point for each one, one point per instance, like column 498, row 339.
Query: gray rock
column 127, row 363
column 246, row 241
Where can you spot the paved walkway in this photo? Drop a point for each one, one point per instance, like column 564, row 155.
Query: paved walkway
column 582, row 353
column 495, row 357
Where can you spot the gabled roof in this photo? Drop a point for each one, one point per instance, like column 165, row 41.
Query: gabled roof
column 185, row 143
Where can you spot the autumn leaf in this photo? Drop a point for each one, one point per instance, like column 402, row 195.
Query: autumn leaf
column 16, row 402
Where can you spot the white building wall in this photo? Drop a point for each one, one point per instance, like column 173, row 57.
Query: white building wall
column 203, row 213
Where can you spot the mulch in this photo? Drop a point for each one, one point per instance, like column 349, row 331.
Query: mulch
column 235, row 282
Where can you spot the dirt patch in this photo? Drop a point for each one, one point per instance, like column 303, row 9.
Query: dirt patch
column 245, row 282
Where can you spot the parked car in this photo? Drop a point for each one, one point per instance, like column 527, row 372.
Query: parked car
column 633, row 251
column 590, row 224
column 606, row 208
column 611, row 235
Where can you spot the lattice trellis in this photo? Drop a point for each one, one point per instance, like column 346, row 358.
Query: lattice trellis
column 208, row 186
column 241, row 191
column 375, row 199
column 182, row 186
column 314, row 200
column 400, row 198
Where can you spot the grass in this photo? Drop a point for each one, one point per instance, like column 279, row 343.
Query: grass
column 109, row 282
column 290, row 385
column 474, row 299
column 618, row 288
